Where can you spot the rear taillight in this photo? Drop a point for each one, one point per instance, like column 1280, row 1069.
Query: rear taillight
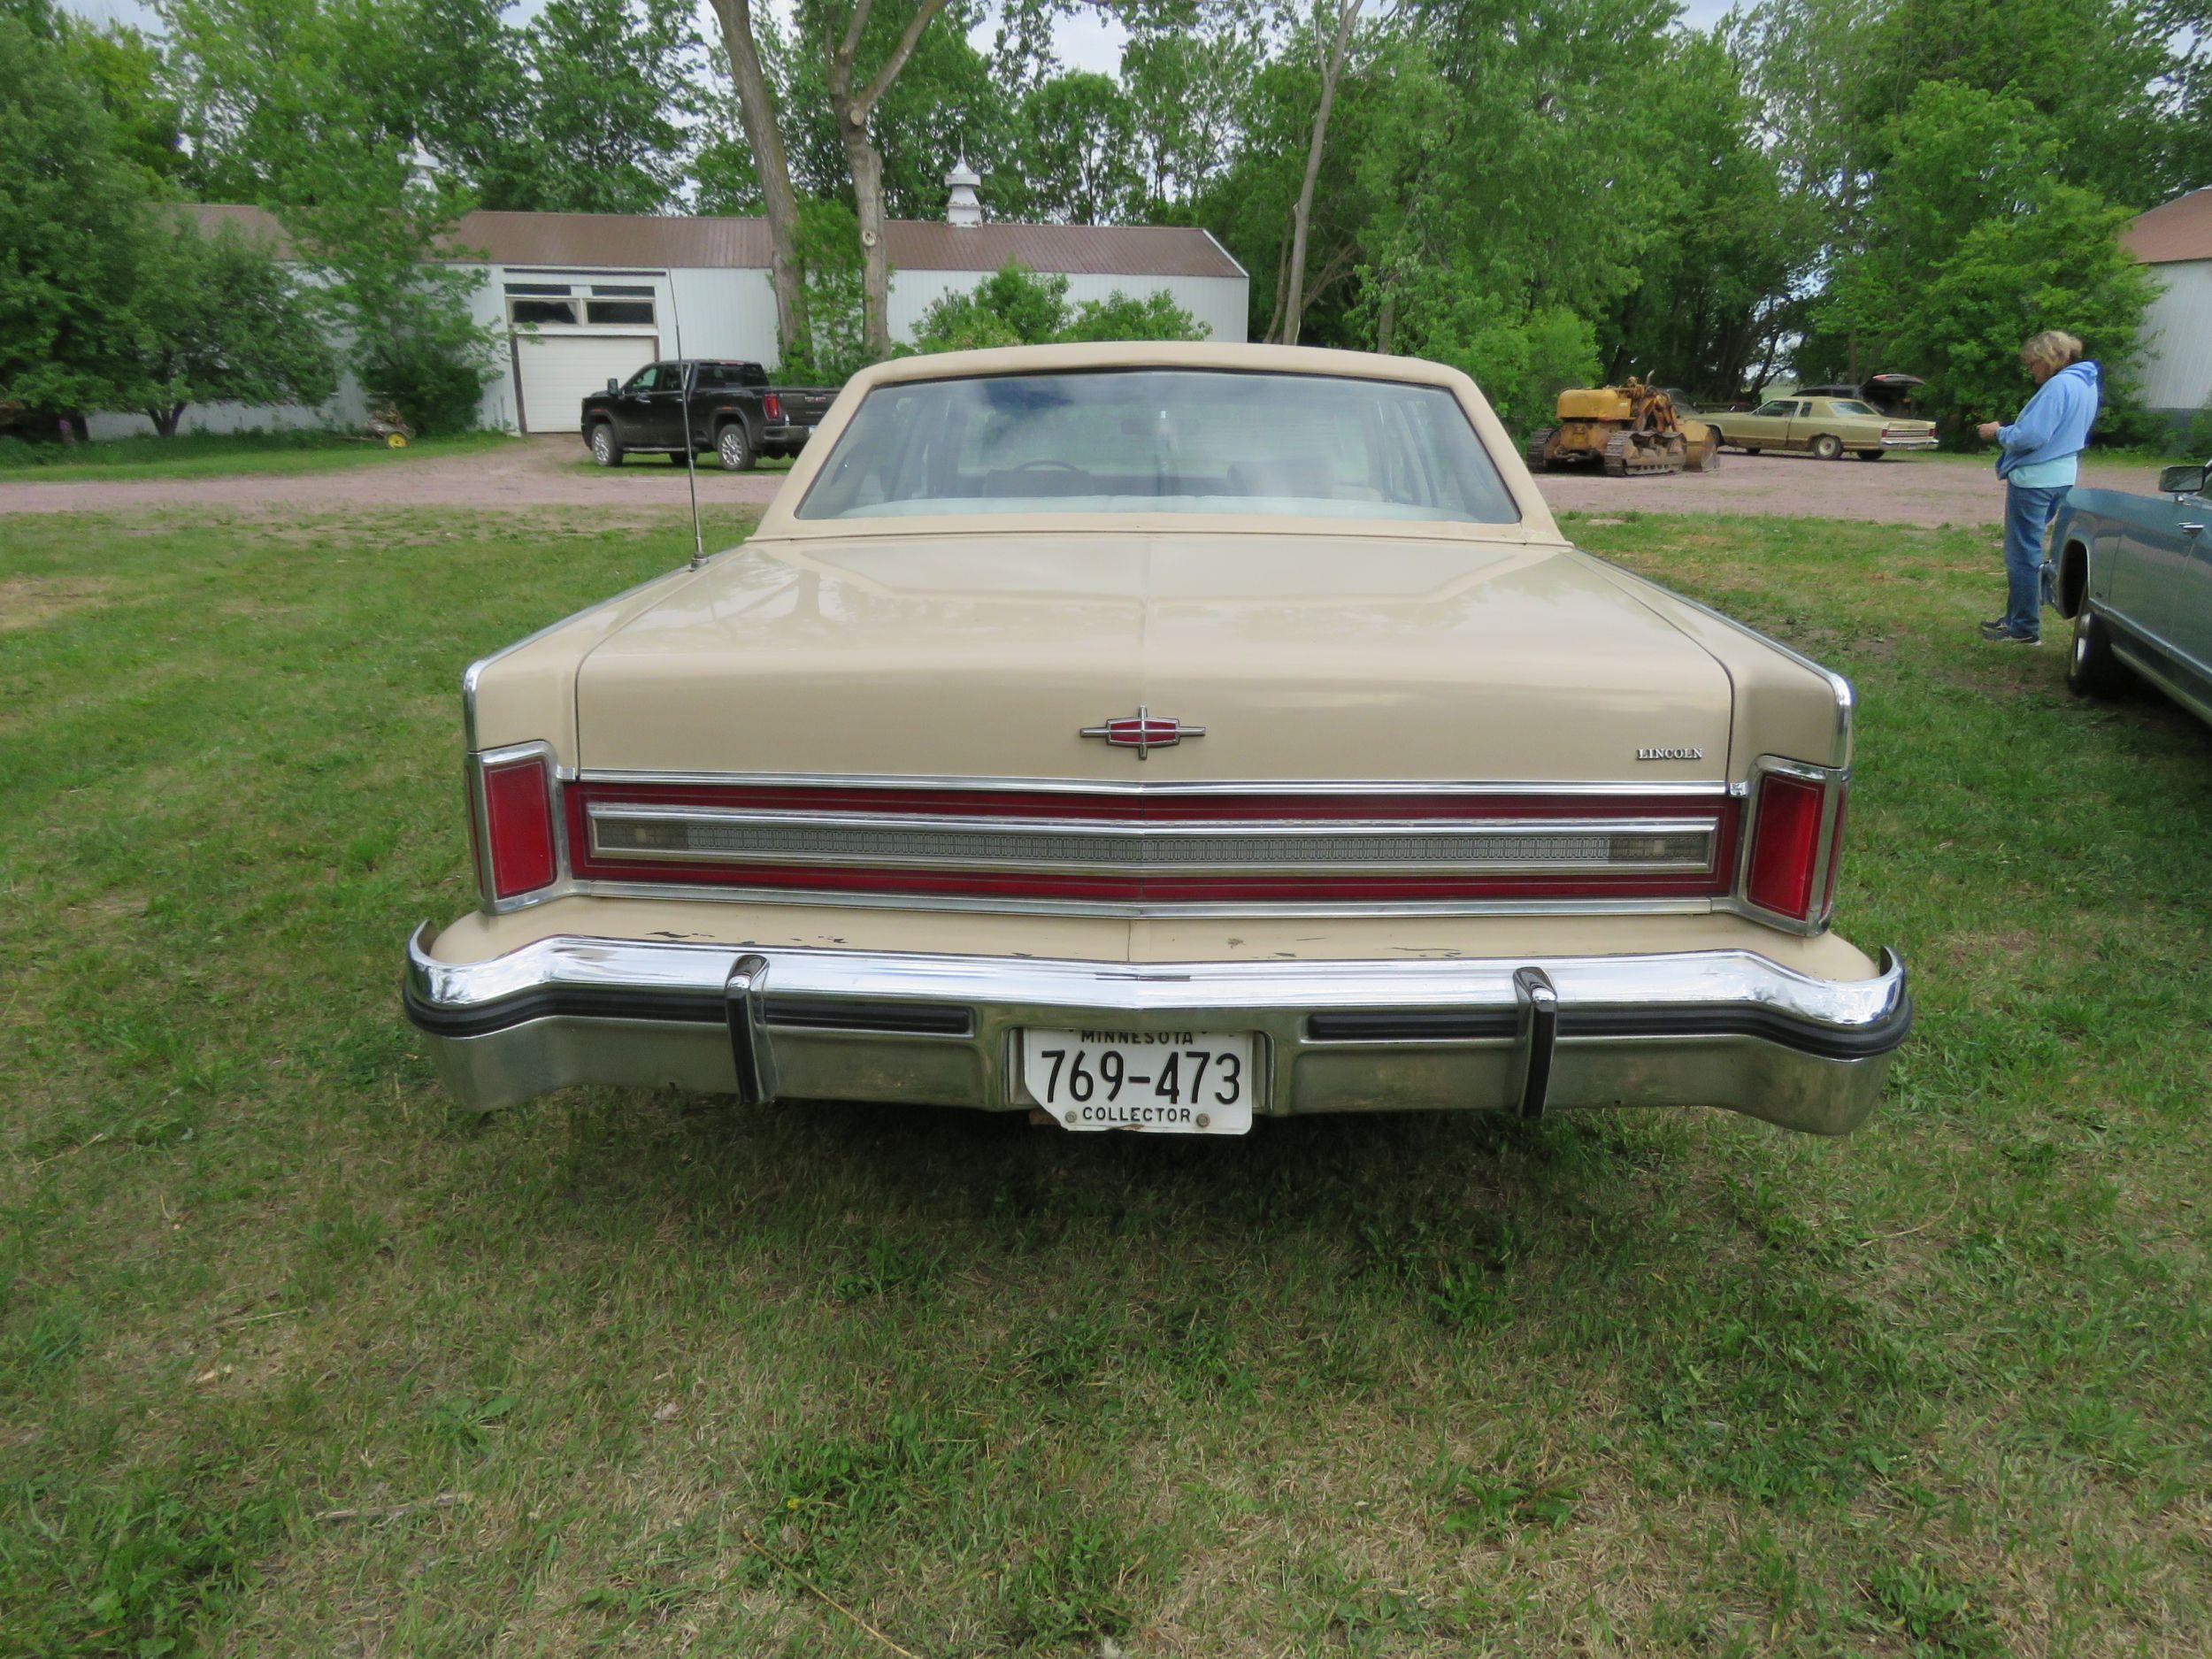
column 1789, row 870
column 771, row 406
column 520, row 855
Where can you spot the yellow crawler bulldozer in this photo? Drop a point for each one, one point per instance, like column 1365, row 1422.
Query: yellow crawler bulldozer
column 1628, row 429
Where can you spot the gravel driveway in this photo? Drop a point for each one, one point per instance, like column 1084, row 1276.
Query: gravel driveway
column 1904, row 489
column 545, row 472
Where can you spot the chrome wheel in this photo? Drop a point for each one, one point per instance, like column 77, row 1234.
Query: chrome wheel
column 733, row 449
column 2091, row 670
column 604, row 447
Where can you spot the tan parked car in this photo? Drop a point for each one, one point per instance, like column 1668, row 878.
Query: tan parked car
column 1825, row 428
column 1158, row 737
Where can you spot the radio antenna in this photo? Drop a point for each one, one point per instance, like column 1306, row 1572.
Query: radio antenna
column 691, row 460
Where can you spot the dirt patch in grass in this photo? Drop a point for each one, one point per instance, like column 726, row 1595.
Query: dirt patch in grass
column 30, row 602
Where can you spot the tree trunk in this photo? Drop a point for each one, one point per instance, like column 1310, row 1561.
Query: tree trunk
column 1386, row 321
column 1301, row 216
column 865, row 163
column 756, row 109
column 166, row 419
column 851, row 110
column 1282, row 276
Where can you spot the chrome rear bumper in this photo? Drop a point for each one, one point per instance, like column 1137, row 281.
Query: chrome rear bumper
column 1725, row 1028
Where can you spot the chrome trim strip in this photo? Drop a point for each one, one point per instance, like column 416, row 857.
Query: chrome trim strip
column 996, row 904
column 1092, row 786
column 997, row 843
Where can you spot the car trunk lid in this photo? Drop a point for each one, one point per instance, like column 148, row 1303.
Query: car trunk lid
column 1302, row 656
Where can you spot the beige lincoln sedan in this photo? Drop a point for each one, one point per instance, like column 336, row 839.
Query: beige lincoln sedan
column 1160, row 737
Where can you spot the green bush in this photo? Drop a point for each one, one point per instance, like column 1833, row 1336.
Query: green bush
column 2194, row 442
column 1124, row 317
column 1015, row 306
column 428, row 361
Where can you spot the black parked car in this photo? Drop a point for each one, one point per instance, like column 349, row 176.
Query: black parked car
column 734, row 412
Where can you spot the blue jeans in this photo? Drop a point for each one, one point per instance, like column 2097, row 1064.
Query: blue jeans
column 2028, row 514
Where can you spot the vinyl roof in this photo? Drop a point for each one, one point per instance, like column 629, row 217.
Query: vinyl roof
column 612, row 241
column 2180, row 230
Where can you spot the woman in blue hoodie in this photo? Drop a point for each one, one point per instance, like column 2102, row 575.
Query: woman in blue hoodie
column 2035, row 458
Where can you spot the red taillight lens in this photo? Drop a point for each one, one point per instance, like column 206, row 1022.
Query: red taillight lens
column 773, row 406
column 519, row 827
column 1786, row 845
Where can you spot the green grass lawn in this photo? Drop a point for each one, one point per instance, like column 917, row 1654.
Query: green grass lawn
column 294, row 1359
column 208, row 454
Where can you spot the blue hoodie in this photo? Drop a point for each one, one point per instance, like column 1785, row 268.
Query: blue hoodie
column 2055, row 425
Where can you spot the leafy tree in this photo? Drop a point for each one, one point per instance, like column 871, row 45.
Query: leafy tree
column 125, row 71
column 760, row 111
column 275, row 92
column 316, row 108
column 70, row 227
column 1076, row 153
column 864, row 47
column 610, row 84
column 1712, row 300
column 1521, row 356
column 829, row 262
column 2057, row 263
column 1187, row 77
column 228, row 326
column 2093, row 70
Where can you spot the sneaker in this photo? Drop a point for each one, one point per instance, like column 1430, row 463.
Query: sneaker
column 2019, row 639
column 1999, row 629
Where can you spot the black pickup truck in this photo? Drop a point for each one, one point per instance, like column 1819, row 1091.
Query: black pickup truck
column 735, row 414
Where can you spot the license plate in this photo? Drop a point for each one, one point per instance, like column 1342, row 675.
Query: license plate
column 1157, row 1082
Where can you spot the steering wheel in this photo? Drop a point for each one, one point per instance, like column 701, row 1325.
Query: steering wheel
column 1064, row 466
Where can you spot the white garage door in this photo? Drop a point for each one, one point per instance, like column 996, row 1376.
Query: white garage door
column 557, row 370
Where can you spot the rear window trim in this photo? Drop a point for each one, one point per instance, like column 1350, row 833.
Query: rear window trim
column 854, row 526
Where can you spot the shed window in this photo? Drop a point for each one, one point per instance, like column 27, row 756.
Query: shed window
column 540, row 311
column 619, row 310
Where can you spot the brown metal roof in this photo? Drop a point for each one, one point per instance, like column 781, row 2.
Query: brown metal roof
column 2180, row 230
column 599, row 241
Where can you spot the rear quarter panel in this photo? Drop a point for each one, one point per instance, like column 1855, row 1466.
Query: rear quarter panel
column 2089, row 556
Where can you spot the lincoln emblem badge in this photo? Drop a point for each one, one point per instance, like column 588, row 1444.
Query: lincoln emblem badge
column 1144, row 731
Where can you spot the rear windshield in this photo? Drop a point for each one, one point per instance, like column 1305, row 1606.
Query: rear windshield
column 1852, row 406
column 1197, row 440
column 721, row 375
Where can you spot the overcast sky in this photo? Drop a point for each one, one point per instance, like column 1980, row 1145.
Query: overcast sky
column 1089, row 40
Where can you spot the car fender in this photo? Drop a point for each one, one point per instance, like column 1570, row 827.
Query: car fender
column 2067, row 562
